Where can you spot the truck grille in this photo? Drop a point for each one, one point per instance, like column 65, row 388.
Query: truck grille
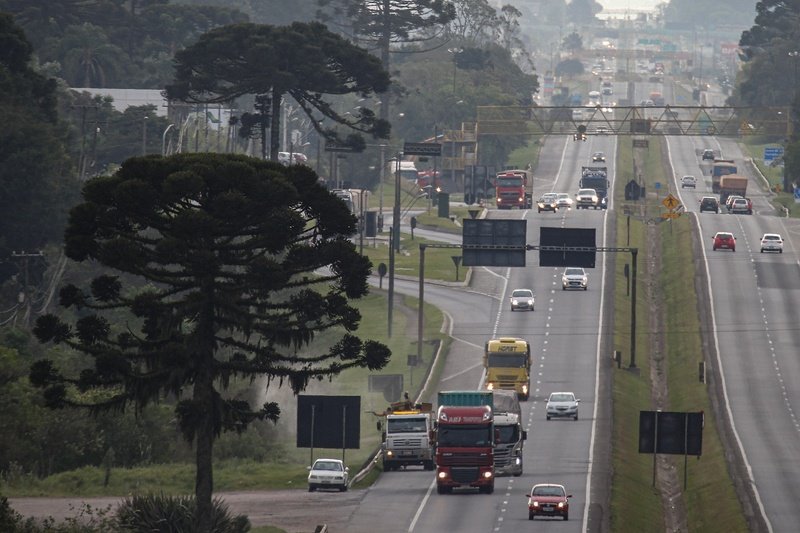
column 502, row 456
column 465, row 474
column 406, row 443
column 466, row 459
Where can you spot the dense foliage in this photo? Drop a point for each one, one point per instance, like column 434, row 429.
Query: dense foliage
column 36, row 188
column 303, row 60
column 107, row 43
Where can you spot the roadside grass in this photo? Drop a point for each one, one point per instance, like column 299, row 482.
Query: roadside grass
column 754, row 148
column 287, row 468
column 528, row 154
column 711, row 502
column 431, row 220
column 408, row 192
column 438, row 261
column 635, row 503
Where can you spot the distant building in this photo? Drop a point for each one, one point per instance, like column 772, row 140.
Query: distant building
column 125, row 98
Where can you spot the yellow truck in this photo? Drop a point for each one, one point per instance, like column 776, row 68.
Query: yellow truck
column 507, row 362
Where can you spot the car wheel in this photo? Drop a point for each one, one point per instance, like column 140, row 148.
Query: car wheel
column 762, row 250
column 343, row 488
column 576, row 417
column 715, row 248
column 548, row 417
column 733, row 250
column 563, row 288
column 780, row 251
column 566, row 516
column 311, row 488
column 586, row 288
column 531, row 515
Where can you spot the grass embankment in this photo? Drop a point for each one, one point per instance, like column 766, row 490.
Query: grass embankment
column 438, row 261
column 287, row 469
column 710, row 500
column 754, row 148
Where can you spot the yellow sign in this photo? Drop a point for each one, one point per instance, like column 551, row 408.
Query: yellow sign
column 670, row 215
column 670, row 202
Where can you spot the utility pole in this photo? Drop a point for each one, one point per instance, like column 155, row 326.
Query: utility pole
column 144, row 135
column 24, row 257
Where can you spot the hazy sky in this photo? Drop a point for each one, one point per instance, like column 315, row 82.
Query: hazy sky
column 630, row 4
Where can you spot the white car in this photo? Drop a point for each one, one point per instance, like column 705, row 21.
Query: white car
column 328, row 474
column 522, row 299
column 772, row 242
column 598, row 157
column 562, row 405
column 688, row 181
column 574, row 278
column 563, row 200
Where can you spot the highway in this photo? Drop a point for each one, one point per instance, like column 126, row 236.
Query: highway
column 755, row 330
column 566, row 346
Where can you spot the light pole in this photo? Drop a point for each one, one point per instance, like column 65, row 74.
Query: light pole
column 144, row 135
column 787, row 186
column 455, row 52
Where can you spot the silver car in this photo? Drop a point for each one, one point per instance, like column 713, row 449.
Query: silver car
column 772, row 242
column 522, row 299
column 574, row 278
column 562, row 405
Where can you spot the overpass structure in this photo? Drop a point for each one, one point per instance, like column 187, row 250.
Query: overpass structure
column 635, row 120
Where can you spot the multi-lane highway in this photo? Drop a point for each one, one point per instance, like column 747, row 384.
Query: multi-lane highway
column 566, row 340
column 754, row 321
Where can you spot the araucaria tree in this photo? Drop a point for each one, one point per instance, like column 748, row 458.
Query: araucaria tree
column 304, row 61
column 242, row 263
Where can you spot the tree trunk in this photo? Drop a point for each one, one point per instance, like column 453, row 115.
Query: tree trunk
column 204, row 481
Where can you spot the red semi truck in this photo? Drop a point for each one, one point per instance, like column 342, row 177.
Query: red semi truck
column 513, row 189
column 465, row 439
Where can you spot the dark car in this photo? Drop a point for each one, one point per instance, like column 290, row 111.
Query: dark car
column 708, row 154
column 709, row 203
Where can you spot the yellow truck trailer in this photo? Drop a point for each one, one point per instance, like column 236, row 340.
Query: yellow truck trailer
column 507, row 361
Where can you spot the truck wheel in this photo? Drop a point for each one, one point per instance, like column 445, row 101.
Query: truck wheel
column 428, row 465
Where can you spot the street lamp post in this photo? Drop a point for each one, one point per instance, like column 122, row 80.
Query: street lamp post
column 455, row 52
column 793, row 110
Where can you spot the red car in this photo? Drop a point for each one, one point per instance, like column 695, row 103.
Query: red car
column 724, row 241
column 547, row 499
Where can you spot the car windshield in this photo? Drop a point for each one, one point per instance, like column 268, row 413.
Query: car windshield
column 521, row 293
column 562, row 397
column 328, row 465
column 573, row 272
column 586, row 191
column 548, row 491
column 563, row 196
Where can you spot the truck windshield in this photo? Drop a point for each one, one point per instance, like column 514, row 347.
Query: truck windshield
column 406, row 425
column 508, row 434
column 464, row 436
column 508, row 182
column 506, row 360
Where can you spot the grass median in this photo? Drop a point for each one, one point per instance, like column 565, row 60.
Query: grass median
column 439, row 263
column 710, row 499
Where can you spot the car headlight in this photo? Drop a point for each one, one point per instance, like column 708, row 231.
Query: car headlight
column 514, row 301
column 389, row 453
column 535, row 503
column 487, row 475
column 560, row 505
column 525, row 389
column 442, row 475
column 490, row 386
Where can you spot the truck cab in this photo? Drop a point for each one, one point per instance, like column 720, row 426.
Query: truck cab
column 408, row 436
column 508, row 447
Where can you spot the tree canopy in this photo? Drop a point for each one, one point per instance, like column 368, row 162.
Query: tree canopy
column 240, row 265
column 35, row 178
column 304, row 61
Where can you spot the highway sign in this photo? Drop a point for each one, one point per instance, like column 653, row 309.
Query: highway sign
column 773, row 153
column 422, row 149
column 670, row 202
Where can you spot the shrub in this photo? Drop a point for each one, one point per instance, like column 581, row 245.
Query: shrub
column 174, row 514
